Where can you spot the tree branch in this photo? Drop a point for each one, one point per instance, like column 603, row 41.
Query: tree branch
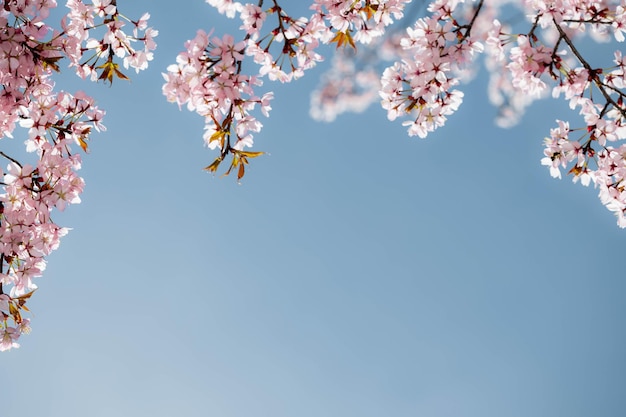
column 592, row 72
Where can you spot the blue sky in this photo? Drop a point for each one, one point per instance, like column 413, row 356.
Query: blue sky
column 354, row 272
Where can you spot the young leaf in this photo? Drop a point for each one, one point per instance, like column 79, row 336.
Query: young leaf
column 218, row 136
column 250, row 154
column 241, row 172
column 214, row 165
column 25, row 296
column 82, row 143
column 343, row 37
column 109, row 69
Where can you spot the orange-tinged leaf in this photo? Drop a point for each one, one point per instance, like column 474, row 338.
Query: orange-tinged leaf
column 107, row 72
column 82, row 143
column 51, row 62
column 369, row 11
column 350, row 40
column 241, row 172
column 119, row 74
column 338, row 38
column 25, row 296
column 214, row 165
column 250, row 154
column 109, row 69
column 343, row 38
column 233, row 164
column 219, row 136
column 576, row 170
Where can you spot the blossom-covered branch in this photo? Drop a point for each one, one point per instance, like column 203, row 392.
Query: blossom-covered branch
column 208, row 76
column 414, row 66
column 93, row 40
column 430, row 58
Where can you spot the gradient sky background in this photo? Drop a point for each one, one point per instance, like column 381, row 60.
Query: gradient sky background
column 355, row 272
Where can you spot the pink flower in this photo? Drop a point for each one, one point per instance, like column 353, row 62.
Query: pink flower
column 227, row 7
column 104, row 7
column 619, row 23
column 252, row 17
column 8, row 338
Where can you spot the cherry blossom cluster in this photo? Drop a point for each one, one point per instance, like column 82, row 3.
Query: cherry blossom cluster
column 422, row 85
column 57, row 121
column 86, row 50
column 536, row 56
column 547, row 58
column 595, row 154
column 528, row 65
column 220, row 77
column 367, row 19
column 209, row 75
column 208, row 79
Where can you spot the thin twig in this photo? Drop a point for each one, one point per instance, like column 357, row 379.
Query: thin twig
column 10, row 159
column 592, row 72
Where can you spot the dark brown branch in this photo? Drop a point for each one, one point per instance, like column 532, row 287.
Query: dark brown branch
column 10, row 159
column 471, row 23
column 592, row 73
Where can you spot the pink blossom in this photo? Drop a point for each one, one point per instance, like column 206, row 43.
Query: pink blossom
column 252, row 17
column 56, row 123
column 227, row 7
column 8, row 338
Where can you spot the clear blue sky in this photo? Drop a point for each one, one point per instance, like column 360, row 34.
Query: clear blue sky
column 356, row 272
